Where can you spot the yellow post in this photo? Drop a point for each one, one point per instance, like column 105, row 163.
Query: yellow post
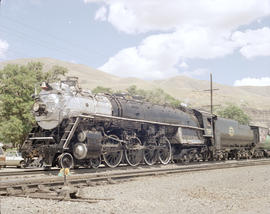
column 64, row 172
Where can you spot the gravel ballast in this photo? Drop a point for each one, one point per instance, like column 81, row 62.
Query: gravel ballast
column 238, row 190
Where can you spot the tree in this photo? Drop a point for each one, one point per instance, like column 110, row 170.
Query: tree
column 100, row 89
column 234, row 112
column 17, row 84
column 156, row 96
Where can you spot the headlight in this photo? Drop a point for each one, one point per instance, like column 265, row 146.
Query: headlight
column 36, row 106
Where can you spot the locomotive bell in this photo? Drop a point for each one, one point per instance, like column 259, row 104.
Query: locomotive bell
column 80, row 151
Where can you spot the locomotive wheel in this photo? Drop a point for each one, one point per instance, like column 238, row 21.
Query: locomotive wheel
column 134, row 155
column 65, row 160
column 165, row 153
column 150, row 154
column 95, row 162
column 113, row 158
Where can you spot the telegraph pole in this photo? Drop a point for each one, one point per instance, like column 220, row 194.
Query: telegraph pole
column 211, row 93
column 211, row 90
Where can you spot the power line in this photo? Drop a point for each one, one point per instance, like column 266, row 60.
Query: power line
column 61, row 40
column 38, row 43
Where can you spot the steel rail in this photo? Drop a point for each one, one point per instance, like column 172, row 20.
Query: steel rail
column 27, row 172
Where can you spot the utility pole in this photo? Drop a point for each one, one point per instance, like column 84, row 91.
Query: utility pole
column 211, row 94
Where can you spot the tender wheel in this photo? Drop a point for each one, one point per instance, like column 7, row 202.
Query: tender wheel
column 95, row 162
column 237, row 156
column 134, row 153
column 150, row 153
column 165, row 152
column 66, row 160
column 114, row 155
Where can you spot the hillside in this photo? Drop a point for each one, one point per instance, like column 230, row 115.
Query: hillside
column 255, row 100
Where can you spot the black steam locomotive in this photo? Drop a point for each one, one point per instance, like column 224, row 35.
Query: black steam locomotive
column 77, row 128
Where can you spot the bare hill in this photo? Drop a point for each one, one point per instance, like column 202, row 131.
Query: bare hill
column 255, row 100
column 88, row 76
column 190, row 90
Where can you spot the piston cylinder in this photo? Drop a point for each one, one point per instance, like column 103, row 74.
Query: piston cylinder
column 91, row 148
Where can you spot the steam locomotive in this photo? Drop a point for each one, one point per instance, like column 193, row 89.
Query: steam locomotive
column 77, row 128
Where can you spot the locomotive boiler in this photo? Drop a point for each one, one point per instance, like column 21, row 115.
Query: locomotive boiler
column 59, row 101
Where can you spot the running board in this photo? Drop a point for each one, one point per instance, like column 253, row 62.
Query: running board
column 41, row 138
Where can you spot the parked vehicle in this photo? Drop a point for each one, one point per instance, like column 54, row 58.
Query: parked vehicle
column 12, row 158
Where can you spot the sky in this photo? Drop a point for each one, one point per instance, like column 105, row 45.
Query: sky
column 149, row 39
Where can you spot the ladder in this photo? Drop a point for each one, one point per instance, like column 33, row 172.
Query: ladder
column 69, row 131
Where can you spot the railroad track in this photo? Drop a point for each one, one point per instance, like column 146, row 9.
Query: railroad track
column 24, row 172
column 22, row 187
column 55, row 171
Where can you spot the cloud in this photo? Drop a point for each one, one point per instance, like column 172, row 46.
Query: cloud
column 101, row 14
column 130, row 63
column 264, row 81
column 183, row 65
column 92, row 1
column 3, row 48
column 161, row 55
column 181, row 30
column 254, row 42
column 157, row 15
column 197, row 72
